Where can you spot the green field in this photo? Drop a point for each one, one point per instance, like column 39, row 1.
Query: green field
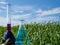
column 40, row 34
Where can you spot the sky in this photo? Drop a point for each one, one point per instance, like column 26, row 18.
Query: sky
column 38, row 11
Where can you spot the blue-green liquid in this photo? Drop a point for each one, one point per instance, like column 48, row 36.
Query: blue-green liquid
column 20, row 37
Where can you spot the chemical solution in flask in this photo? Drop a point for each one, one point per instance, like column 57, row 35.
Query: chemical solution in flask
column 8, row 38
column 22, row 37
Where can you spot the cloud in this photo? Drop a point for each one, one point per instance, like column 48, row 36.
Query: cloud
column 14, row 23
column 39, row 11
column 3, row 21
column 33, row 16
column 43, row 15
column 15, row 20
column 16, row 11
column 21, row 9
column 18, row 17
column 3, row 7
column 44, row 19
column 0, row 11
column 48, row 12
column 39, row 15
column 3, row 2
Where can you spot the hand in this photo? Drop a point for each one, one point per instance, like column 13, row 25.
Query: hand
column 2, row 44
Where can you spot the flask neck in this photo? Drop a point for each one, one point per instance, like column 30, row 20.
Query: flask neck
column 21, row 25
column 9, row 27
column 8, row 19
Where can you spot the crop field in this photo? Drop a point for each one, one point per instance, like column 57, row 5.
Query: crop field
column 40, row 34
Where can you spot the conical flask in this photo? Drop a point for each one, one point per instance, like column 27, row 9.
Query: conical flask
column 8, row 35
column 22, row 34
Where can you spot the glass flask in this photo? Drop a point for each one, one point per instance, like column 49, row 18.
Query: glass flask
column 8, row 37
column 22, row 37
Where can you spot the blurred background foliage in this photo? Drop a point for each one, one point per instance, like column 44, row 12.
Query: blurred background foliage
column 40, row 34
